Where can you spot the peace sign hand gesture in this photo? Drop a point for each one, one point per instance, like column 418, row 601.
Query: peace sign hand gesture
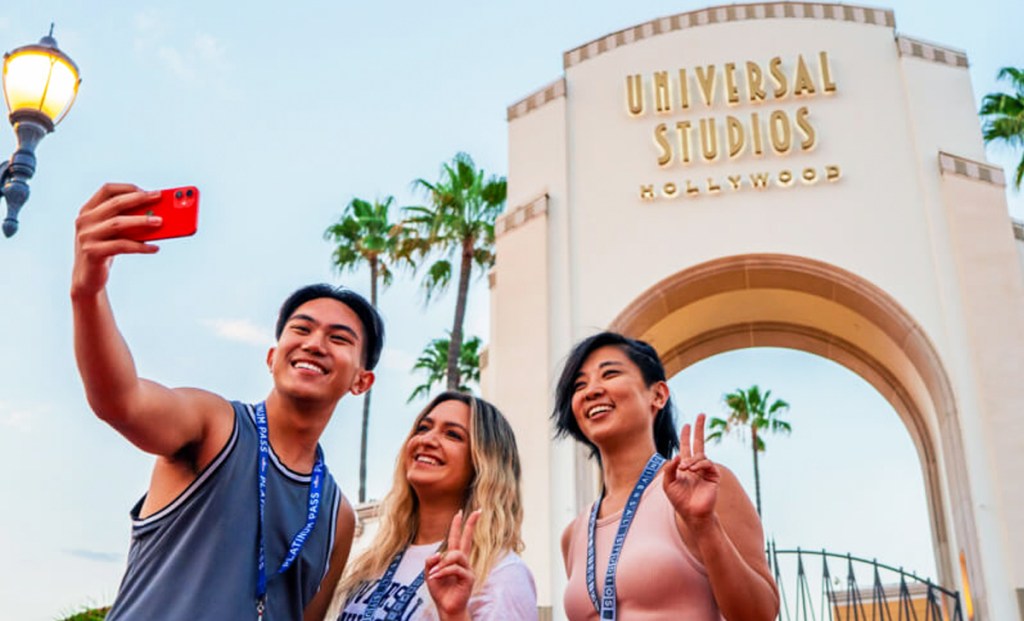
column 449, row 576
column 691, row 479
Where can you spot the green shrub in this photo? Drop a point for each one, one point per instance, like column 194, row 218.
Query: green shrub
column 93, row 614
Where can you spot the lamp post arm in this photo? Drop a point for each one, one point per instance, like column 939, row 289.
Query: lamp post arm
column 19, row 169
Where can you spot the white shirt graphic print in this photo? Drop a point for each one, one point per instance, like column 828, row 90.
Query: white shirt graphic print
column 509, row 592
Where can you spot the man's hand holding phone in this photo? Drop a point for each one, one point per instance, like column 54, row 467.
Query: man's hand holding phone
column 178, row 210
column 120, row 219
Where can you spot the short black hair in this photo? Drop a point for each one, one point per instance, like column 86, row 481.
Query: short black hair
column 373, row 325
column 666, row 440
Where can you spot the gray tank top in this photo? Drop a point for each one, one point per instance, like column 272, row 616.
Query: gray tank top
column 195, row 559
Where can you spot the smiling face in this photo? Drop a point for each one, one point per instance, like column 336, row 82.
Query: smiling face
column 611, row 402
column 318, row 356
column 438, row 458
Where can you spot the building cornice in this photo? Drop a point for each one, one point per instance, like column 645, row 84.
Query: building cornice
column 521, row 215
column 729, row 13
column 536, row 99
column 978, row 171
column 930, row 51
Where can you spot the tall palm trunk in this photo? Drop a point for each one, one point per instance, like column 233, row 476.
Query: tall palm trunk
column 455, row 341
column 757, row 472
column 364, row 432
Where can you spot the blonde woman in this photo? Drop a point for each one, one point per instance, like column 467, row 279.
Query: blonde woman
column 427, row 561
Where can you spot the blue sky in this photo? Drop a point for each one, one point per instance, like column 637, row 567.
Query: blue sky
column 281, row 113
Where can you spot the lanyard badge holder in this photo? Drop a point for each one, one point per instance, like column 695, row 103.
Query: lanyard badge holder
column 312, row 509
column 606, row 604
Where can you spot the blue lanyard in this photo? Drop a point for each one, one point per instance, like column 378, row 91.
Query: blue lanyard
column 315, row 490
column 606, row 606
column 384, row 584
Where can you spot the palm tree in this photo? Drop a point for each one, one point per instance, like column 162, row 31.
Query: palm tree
column 459, row 222
column 364, row 233
column 749, row 408
column 434, row 360
column 1004, row 116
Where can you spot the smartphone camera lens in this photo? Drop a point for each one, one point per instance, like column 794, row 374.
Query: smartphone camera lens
column 177, row 194
column 188, row 193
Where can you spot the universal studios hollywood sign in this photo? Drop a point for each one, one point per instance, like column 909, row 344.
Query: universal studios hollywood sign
column 696, row 135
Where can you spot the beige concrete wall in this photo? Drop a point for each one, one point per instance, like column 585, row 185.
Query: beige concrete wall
column 529, row 309
column 1018, row 233
column 859, row 126
column 991, row 286
column 520, row 300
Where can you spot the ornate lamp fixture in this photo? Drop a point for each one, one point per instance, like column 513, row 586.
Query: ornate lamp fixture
column 40, row 83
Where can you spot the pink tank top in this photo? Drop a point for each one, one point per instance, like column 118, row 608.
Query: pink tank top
column 657, row 577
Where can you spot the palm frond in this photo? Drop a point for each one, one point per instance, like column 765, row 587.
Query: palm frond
column 439, row 276
column 1015, row 76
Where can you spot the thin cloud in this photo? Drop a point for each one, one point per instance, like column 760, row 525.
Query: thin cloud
column 172, row 59
column 93, row 555
column 202, row 58
column 17, row 418
column 239, row 331
column 210, row 50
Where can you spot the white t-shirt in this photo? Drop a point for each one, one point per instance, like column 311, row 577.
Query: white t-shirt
column 509, row 592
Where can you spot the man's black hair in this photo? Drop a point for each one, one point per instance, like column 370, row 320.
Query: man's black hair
column 373, row 326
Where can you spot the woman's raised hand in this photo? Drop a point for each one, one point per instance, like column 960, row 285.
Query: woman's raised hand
column 449, row 576
column 691, row 479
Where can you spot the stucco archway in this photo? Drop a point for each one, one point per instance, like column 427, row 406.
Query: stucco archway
column 773, row 300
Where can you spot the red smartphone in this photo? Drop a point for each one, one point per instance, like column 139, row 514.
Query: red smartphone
column 179, row 208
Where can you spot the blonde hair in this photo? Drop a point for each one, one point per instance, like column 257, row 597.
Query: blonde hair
column 494, row 489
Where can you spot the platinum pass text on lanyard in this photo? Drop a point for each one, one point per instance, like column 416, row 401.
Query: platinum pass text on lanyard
column 316, row 483
column 605, row 605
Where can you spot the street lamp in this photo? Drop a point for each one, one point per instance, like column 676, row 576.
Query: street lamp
column 40, row 83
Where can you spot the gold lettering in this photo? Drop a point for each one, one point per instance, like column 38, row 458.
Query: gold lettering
column 706, row 80
column 802, row 83
column 666, row 149
column 669, row 189
column 647, row 192
column 713, row 188
column 734, row 181
column 683, row 128
column 755, row 82
column 809, row 176
column 775, row 68
column 832, row 173
column 785, row 178
column 827, row 85
column 684, row 90
column 734, row 133
column 780, row 131
column 708, row 139
column 755, row 133
column 691, row 189
column 810, row 137
column 732, row 93
column 662, row 96
column 635, row 94
column 759, row 180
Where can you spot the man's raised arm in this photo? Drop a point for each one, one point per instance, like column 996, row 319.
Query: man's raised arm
column 157, row 419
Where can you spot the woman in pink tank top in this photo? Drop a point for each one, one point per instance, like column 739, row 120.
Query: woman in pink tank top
column 670, row 538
